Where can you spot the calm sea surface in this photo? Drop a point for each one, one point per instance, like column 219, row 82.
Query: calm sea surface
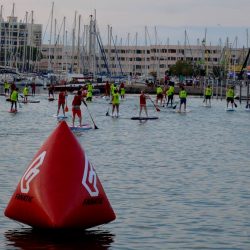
column 179, row 182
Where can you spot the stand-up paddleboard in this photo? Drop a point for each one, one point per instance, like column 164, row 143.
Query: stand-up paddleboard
column 230, row 109
column 169, row 107
column 81, row 129
column 115, row 116
column 206, row 106
column 107, row 98
column 61, row 117
column 30, row 101
column 13, row 111
column 144, row 118
column 182, row 111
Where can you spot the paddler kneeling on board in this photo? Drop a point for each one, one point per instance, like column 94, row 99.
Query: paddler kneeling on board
column 143, row 105
column 76, row 107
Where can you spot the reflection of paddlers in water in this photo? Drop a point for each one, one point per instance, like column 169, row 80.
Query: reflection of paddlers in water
column 51, row 90
column 143, row 104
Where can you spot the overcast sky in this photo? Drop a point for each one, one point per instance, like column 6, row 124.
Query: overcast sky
column 221, row 18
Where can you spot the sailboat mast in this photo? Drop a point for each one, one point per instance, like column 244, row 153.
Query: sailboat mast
column 50, row 37
column 1, row 19
column 25, row 43
column 63, row 45
column 54, row 58
column 78, row 44
column 73, row 45
column 31, row 41
column 145, row 58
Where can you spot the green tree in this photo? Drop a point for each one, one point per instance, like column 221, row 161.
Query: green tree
column 183, row 68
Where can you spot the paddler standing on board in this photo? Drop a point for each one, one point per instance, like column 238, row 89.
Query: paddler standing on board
column 208, row 94
column 25, row 94
column 122, row 90
column 112, row 89
column 115, row 103
column 159, row 94
column 107, row 89
column 183, row 98
column 61, row 101
column 76, row 107
column 170, row 94
column 6, row 88
column 230, row 96
column 14, row 100
column 51, row 90
column 143, row 104
column 90, row 92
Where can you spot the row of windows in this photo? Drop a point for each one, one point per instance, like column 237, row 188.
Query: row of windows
column 11, row 26
column 164, row 51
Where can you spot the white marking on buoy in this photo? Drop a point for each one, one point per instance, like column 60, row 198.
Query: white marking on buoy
column 32, row 171
column 89, row 179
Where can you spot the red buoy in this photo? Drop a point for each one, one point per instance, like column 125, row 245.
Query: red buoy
column 60, row 188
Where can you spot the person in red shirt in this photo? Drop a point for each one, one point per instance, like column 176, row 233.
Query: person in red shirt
column 143, row 103
column 33, row 88
column 76, row 109
column 107, row 89
column 61, row 101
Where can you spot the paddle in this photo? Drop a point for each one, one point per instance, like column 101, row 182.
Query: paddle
column 90, row 115
column 157, row 109
column 107, row 113
column 20, row 106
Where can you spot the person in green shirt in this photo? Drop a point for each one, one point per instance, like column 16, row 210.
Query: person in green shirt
column 25, row 94
column 230, row 96
column 170, row 95
column 14, row 100
column 208, row 94
column 183, row 98
column 6, row 88
column 159, row 94
column 115, row 103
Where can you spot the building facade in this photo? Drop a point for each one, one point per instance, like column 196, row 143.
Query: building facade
column 17, row 40
column 139, row 60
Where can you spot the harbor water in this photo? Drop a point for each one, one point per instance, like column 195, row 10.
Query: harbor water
column 179, row 182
